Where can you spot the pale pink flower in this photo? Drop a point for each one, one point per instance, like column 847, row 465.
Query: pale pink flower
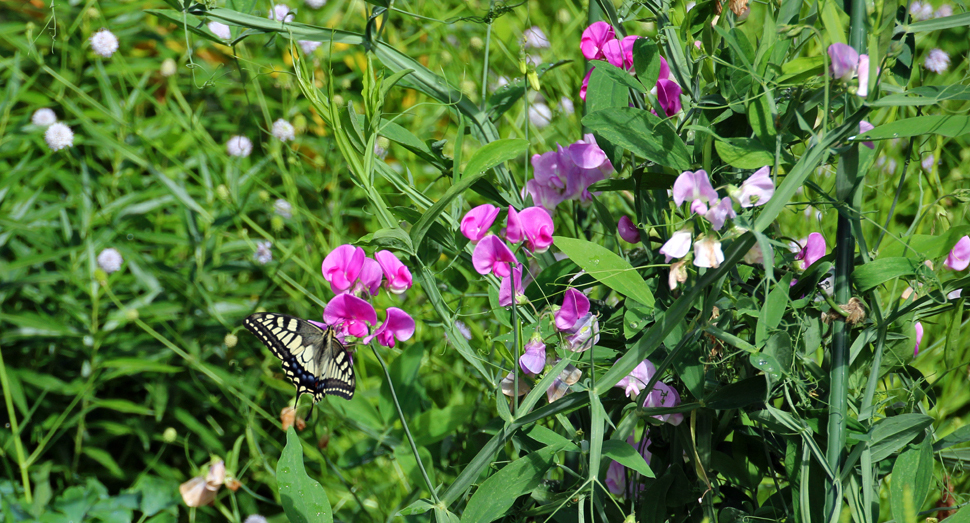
column 707, row 252
column 959, row 257
column 677, row 246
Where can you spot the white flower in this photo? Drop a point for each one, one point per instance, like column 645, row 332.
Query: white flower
column 263, row 256
column 59, row 136
column 944, row 11
column 937, row 61
column 921, row 11
column 104, row 43
column 283, row 130
column 281, row 12
column 220, row 29
column 690, row 5
column 315, row 4
column 536, row 38
column 168, row 68
column 43, row 117
column 567, row 105
column 707, row 253
column 255, row 518
column 540, row 114
column 308, row 46
column 239, row 146
column 283, row 208
column 677, row 246
column 110, row 260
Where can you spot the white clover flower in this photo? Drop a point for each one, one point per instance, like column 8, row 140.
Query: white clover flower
column 104, row 43
column 168, row 68
column 283, row 130
column 937, row 61
column 540, row 114
column 110, row 260
column 283, row 208
column 263, row 256
column 536, row 38
column 43, row 117
column 255, row 518
column 921, row 11
column 59, row 136
column 239, row 146
column 567, row 105
column 944, row 11
column 281, row 12
column 315, row 4
column 308, row 46
column 220, row 29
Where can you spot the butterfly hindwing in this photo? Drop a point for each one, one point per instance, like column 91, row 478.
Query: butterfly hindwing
column 313, row 359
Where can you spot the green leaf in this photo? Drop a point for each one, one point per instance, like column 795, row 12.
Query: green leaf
column 738, row 394
column 744, row 153
column 303, row 499
column 608, row 268
column 497, row 494
column 960, row 435
column 936, row 24
column 925, row 95
column 626, row 455
column 619, row 76
column 646, row 60
column 911, row 478
column 891, row 434
column 641, row 133
column 435, row 424
column 950, row 126
column 879, row 271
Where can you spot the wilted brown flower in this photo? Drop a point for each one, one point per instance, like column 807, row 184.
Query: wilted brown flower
column 233, row 484
column 289, row 419
column 200, row 490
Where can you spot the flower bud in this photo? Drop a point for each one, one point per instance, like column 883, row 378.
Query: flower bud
column 169, row 435
column 231, row 340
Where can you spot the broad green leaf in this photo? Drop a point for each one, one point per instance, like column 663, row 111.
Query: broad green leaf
column 960, row 435
column 950, row 126
column 626, row 455
column 768, row 364
column 911, row 478
column 879, row 271
column 303, row 499
column 608, row 268
column 646, row 61
column 497, row 494
column 744, row 153
column 619, row 76
column 641, row 133
column 801, row 69
column 891, row 434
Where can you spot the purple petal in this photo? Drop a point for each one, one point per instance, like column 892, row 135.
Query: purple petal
column 574, row 306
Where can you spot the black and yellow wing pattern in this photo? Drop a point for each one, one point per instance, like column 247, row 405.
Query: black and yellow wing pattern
column 313, row 359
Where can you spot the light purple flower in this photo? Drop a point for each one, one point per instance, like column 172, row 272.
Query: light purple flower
column 959, row 257
column 707, row 253
column 720, row 212
column 634, row 382
column 534, row 359
column 566, row 105
column 398, row 275
column 844, row 60
column 584, row 334
column 937, row 61
column 574, row 306
column 691, row 186
column 475, row 224
column 757, row 189
column 239, row 146
column 567, row 173
column 863, row 70
column 505, row 297
column 595, row 38
column 812, row 251
column 560, row 386
column 865, row 127
column 663, row 395
column 919, row 337
column 220, row 29
column 944, row 11
column 628, row 230
column 342, row 267
column 350, row 315
column 492, row 255
column 677, row 246
column 308, row 46
column 536, row 38
column 616, row 473
column 954, row 295
column 398, row 325
column 104, row 43
column 110, row 260
column 921, row 11
column 928, row 162
column 540, row 114
column 280, row 12
column 43, row 117
column 264, row 253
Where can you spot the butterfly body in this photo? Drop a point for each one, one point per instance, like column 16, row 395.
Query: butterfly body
column 313, row 358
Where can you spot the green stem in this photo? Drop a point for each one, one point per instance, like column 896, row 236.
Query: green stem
column 15, row 427
column 404, row 423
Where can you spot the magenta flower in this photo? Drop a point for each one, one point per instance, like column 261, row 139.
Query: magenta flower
column 584, row 334
column 513, row 227
column 537, row 228
column 757, row 189
column 616, row 473
column 919, row 337
column 708, row 253
column 628, row 230
column 505, row 297
column 959, row 257
column 350, row 315
column 398, row 275
column 865, row 127
column 574, row 306
column 491, row 254
column 534, row 359
column 595, row 37
column 342, row 267
column 620, row 52
column 664, row 395
column 370, row 279
column 668, row 94
column 844, row 61
column 475, row 224
column 664, row 70
column 677, row 246
column 634, row 382
column 720, row 212
column 585, row 86
column 813, row 250
column 692, row 186
column 397, row 325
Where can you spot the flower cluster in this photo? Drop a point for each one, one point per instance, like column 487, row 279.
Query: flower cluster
column 104, row 43
column 533, row 226
column 355, row 278
column 937, row 61
column 567, row 173
column 599, row 43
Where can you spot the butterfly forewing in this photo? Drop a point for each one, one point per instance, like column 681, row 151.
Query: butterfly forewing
column 313, row 359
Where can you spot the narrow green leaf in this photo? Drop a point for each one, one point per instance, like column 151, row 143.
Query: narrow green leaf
column 879, row 271
column 626, row 455
column 960, row 435
column 303, row 499
column 936, row 24
column 950, row 126
column 891, row 434
column 497, row 494
column 925, row 95
column 608, row 268
column 641, row 133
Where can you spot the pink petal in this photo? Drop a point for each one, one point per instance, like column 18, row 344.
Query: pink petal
column 350, row 315
column 757, row 189
column 505, row 298
column 574, row 306
column 534, row 358
column 475, row 224
column 959, row 257
column 342, row 266
column 537, row 227
column 491, row 254
column 690, row 186
column 513, row 227
column 371, row 276
column 668, row 94
column 677, row 246
column 398, row 275
column 919, row 337
column 843, row 61
column 594, row 38
column 865, row 127
column 814, row 250
column 397, row 325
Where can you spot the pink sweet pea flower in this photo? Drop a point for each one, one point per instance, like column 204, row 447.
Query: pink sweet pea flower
column 628, row 230
column 620, row 52
column 757, row 189
column 664, row 69
column 491, row 254
column 865, row 127
column 707, row 253
column 668, row 94
column 475, row 224
column 720, row 212
column 691, row 186
column 397, row 325
column 350, row 315
column 959, row 257
column 513, row 227
column 537, row 228
column 616, row 473
column 634, row 382
column 919, row 337
column 664, row 395
column 585, row 86
column 677, row 246
column 574, row 306
column 813, row 250
column 548, row 185
column 595, row 37
column 369, row 280
column 505, row 297
column 534, row 359
column 584, row 334
column 342, row 267
column 844, row 61
column 398, row 275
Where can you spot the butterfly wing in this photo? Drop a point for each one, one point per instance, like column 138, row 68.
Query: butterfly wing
column 313, row 359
